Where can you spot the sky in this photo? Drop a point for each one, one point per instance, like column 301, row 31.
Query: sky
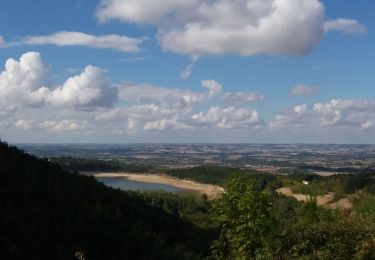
column 187, row 71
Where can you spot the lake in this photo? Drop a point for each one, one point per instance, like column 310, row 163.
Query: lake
column 125, row 184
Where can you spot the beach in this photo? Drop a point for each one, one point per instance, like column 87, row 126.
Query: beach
column 212, row 191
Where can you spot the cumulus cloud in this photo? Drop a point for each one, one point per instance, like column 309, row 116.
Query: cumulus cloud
column 230, row 117
column 345, row 26
column 213, row 87
column 27, row 73
column 87, row 102
column 327, row 113
column 88, row 90
column 146, row 112
column 141, row 11
column 70, row 125
column 153, row 117
column 146, row 117
column 345, row 111
column 24, row 124
column 132, row 126
column 300, row 109
column 368, row 125
column 302, row 90
column 354, row 104
column 165, row 124
column 167, row 97
column 158, row 108
column 151, row 111
column 113, row 41
column 21, row 80
column 23, row 83
column 235, row 98
column 354, row 113
column 243, row 27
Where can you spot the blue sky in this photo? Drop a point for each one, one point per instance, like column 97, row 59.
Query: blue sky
column 187, row 71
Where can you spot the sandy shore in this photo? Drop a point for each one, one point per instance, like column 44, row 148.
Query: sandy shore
column 212, row 191
column 326, row 174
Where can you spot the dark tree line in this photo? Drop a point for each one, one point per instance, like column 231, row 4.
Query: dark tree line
column 48, row 213
column 95, row 165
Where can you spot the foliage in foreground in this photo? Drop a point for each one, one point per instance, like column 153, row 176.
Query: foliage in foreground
column 252, row 228
column 244, row 217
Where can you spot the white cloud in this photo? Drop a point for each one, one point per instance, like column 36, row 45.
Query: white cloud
column 113, row 41
column 2, row 42
column 23, row 84
column 354, row 113
column 132, row 126
column 147, row 116
column 137, row 115
column 164, row 124
column 345, row 111
column 21, row 80
column 327, row 114
column 168, row 97
column 88, row 90
column 24, row 124
column 150, row 111
column 141, row 11
column 213, row 87
column 64, row 125
column 87, row 103
column 243, row 27
column 158, row 108
column 346, row 26
column 300, row 109
column 302, row 90
column 235, row 98
column 368, row 125
column 354, row 104
column 27, row 73
column 185, row 74
column 146, row 94
column 230, row 117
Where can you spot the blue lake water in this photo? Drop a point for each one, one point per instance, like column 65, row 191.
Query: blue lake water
column 125, row 184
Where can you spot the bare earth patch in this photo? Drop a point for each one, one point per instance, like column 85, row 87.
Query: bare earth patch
column 324, row 200
column 212, row 191
column 344, row 203
column 288, row 192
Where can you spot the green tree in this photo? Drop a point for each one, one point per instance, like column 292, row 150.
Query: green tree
column 244, row 216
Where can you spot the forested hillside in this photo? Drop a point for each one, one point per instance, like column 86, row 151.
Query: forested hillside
column 48, row 213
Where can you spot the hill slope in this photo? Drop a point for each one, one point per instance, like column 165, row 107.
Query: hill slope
column 48, row 213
